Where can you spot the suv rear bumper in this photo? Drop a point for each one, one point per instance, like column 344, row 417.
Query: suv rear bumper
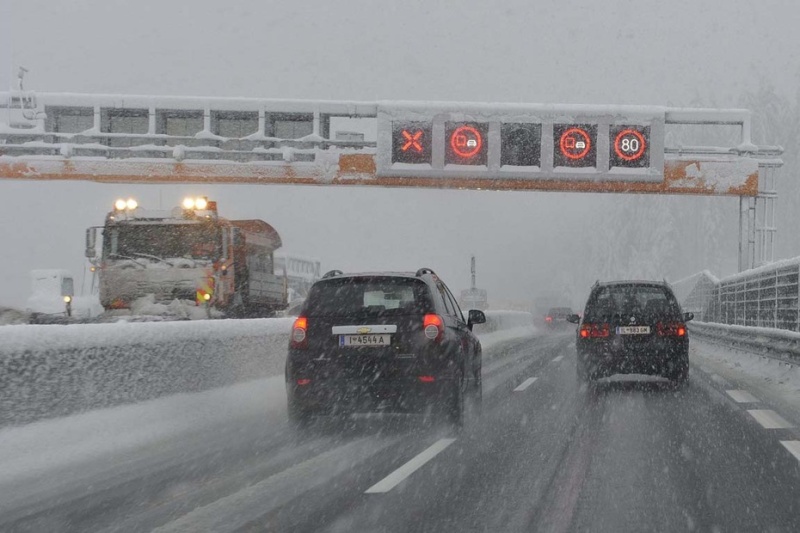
column 409, row 395
column 663, row 361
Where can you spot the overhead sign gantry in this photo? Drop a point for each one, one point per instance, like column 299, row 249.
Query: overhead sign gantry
column 447, row 145
column 580, row 148
column 524, row 147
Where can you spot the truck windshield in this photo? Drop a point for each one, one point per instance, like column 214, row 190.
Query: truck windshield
column 195, row 241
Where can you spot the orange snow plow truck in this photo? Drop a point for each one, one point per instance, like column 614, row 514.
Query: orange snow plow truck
column 188, row 253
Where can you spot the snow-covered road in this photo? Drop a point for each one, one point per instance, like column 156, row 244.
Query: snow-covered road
column 545, row 455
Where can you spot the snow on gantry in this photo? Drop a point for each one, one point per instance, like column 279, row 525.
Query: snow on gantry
column 460, row 145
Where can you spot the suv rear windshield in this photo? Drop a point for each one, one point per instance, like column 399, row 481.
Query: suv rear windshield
column 368, row 296
column 631, row 299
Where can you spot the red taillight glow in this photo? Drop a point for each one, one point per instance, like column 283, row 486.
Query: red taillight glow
column 433, row 326
column 595, row 331
column 549, row 319
column 299, row 332
column 671, row 329
column 303, row 382
column 427, row 379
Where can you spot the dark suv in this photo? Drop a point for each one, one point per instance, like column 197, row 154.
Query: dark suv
column 632, row 327
column 393, row 342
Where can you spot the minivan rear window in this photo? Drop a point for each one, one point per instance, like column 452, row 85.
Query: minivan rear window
column 368, row 296
column 632, row 299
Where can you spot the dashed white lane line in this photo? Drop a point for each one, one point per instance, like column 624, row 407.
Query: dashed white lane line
column 769, row 419
column 793, row 446
column 559, row 358
column 525, row 384
column 396, row 477
column 742, row 396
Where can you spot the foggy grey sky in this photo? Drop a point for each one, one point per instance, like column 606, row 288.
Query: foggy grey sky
column 634, row 52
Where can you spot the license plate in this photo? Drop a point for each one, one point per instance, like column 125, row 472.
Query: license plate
column 365, row 340
column 633, row 330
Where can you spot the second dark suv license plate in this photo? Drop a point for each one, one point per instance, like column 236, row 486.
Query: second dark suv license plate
column 365, row 340
column 633, row 330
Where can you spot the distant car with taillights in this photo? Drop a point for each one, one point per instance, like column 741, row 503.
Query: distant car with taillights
column 390, row 342
column 556, row 317
column 632, row 327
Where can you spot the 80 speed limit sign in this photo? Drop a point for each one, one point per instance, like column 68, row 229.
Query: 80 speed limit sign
column 630, row 146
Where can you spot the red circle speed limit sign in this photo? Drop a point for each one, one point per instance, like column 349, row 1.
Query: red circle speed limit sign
column 630, row 145
column 575, row 143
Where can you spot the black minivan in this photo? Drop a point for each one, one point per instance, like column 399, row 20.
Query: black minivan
column 632, row 327
column 387, row 342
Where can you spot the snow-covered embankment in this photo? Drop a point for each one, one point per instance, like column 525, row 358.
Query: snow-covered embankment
column 51, row 371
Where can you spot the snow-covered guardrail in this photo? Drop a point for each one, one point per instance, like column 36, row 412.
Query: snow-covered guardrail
column 49, row 371
column 774, row 343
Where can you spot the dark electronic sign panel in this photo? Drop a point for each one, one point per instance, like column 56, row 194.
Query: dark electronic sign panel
column 466, row 143
column 575, row 145
column 411, row 142
column 629, row 146
column 521, row 145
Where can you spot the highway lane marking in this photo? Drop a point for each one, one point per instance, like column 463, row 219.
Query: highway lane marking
column 742, row 396
column 525, row 384
column 397, row 477
column 234, row 511
column 793, row 446
column 769, row 419
column 559, row 358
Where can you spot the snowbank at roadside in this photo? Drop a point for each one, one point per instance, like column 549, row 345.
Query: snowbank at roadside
column 771, row 380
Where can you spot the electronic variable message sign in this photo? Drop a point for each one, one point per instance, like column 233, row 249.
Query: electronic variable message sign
column 630, row 146
column 529, row 142
column 576, row 145
column 520, row 145
column 411, row 142
column 466, row 143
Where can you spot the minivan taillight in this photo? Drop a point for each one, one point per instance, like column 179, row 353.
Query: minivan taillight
column 594, row 331
column 671, row 329
column 434, row 327
column 299, row 333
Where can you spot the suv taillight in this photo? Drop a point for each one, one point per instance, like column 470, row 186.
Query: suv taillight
column 434, row 327
column 594, row 331
column 299, row 333
column 671, row 329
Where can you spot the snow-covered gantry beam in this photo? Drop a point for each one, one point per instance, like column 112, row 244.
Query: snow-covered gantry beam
column 395, row 144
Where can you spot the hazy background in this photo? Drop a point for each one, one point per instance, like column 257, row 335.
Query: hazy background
column 726, row 54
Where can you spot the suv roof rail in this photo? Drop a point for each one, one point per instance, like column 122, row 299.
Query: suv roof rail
column 423, row 271
column 332, row 273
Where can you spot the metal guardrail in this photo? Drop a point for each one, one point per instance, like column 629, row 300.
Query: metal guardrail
column 775, row 344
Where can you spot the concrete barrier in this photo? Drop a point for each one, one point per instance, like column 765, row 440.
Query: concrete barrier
column 51, row 371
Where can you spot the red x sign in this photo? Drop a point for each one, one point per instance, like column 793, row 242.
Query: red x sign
column 412, row 141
